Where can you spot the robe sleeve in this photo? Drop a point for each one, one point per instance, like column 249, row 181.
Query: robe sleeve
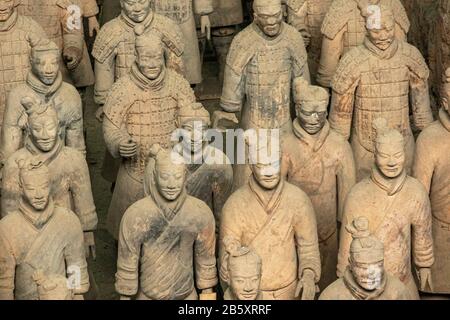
column 185, row 94
column 205, row 259
column 104, row 78
column 233, row 90
column 222, row 189
column 75, row 130
column 420, row 100
column 7, row 269
column 90, row 8
column 73, row 36
column 424, row 164
column 346, row 176
column 11, row 192
column 421, row 231
column 113, row 136
column 329, row 60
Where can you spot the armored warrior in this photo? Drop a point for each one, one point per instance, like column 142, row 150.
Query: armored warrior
column 384, row 77
column 15, row 62
column 69, row 173
column 398, row 210
column 141, row 110
column 277, row 221
column 39, row 235
column 344, row 28
column 165, row 236
column 432, row 168
column 307, row 17
column 43, row 83
column 320, row 162
column 365, row 278
column 182, row 13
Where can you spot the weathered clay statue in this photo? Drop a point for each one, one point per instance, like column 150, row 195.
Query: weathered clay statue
column 383, row 78
column 307, row 17
column 43, row 83
column 39, row 235
column 183, row 12
column 365, row 277
column 52, row 287
column 69, row 174
column 15, row 62
column 244, row 268
column 90, row 11
column 165, row 237
column 209, row 170
column 344, row 28
column 398, row 210
column 277, row 221
column 141, row 110
column 432, row 168
column 320, row 162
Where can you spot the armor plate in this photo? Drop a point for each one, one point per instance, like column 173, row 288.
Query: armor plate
column 178, row 10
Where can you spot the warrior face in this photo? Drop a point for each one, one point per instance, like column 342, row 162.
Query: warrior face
column 390, row 157
column 269, row 19
column 383, row 37
column 193, row 136
column 312, row 116
column 44, row 130
column 368, row 275
column 45, row 66
column 245, row 281
column 6, row 9
column 150, row 60
column 170, row 180
column 268, row 175
column 36, row 189
column 136, row 10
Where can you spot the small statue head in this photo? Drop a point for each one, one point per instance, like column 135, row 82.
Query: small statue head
column 136, row 10
column 244, row 272
column 194, row 120
column 390, row 154
column 268, row 16
column 34, row 180
column 52, row 287
column 311, row 105
column 7, row 8
column 264, row 156
column 445, row 91
column 149, row 53
column 366, row 255
column 44, row 59
column 380, row 25
column 168, row 171
column 42, row 123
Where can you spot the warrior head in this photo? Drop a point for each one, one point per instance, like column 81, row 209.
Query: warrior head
column 366, row 256
column 380, row 25
column 244, row 271
column 52, row 287
column 445, row 94
column 42, row 123
column 149, row 53
column 268, row 16
column 311, row 103
column 34, row 180
column 167, row 172
column 7, row 8
column 264, row 156
column 194, row 120
column 389, row 149
column 136, row 10
column 44, row 59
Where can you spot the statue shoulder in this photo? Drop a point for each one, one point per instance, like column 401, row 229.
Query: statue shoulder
column 243, row 48
column 337, row 17
column 296, row 44
column 348, row 69
column 29, row 25
column 122, row 95
column 414, row 60
column 109, row 37
column 171, row 33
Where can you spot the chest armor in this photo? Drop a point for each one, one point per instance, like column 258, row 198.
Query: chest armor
column 150, row 120
column 383, row 93
column 316, row 11
column 178, row 10
column 48, row 14
column 268, row 85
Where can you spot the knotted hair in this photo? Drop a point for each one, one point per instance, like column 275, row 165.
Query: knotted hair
column 364, row 248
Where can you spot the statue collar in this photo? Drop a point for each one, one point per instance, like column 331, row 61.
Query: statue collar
column 268, row 199
column 45, row 157
column 10, row 23
column 130, row 23
column 360, row 293
column 314, row 141
column 263, row 36
column 444, row 118
column 382, row 54
column 38, row 220
column 144, row 83
column 37, row 85
column 391, row 186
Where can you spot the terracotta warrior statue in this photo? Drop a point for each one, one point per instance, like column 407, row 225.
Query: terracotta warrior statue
column 69, row 174
column 307, row 17
column 183, row 12
column 320, row 162
column 276, row 220
column 15, row 63
column 209, row 170
column 141, row 110
column 43, row 83
column 39, row 235
column 432, row 168
column 344, row 28
column 244, row 269
column 365, row 277
column 398, row 210
column 383, row 78
column 166, row 237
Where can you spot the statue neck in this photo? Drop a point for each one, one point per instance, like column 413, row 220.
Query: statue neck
column 390, row 185
column 37, row 218
column 10, row 22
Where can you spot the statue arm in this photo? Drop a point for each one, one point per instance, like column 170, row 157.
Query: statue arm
column 346, row 177
column 420, row 101
column 73, row 36
column 104, row 78
column 423, row 167
column 113, row 137
column 342, row 112
column 345, row 238
column 297, row 19
column 175, row 62
column 330, row 56
column 423, row 252
column 74, row 131
column 90, row 8
column 8, row 270
column 10, row 189
column 221, row 191
column 12, row 132
column 233, row 91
